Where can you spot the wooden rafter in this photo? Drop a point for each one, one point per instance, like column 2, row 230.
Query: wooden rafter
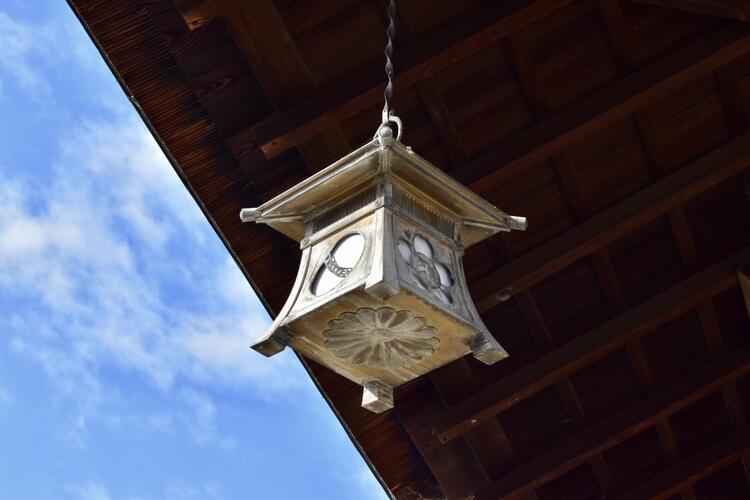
column 277, row 64
column 454, row 466
column 427, row 57
column 744, row 277
column 620, row 34
column 432, row 99
column 489, row 442
column 285, row 130
column 739, row 10
column 198, row 13
column 528, row 81
column 620, row 427
column 607, row 226
column 543, row 339
column 607, row 107
column 621, row 37
column 729, row 91
column 589, row 347
column 442, row 121
column 533, row 91
column 692, row 469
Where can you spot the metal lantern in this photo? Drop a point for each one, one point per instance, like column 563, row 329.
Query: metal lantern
column 380, row 296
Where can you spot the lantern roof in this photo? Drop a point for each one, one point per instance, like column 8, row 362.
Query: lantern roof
column 388, row 160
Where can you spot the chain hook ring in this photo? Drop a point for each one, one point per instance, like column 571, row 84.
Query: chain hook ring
column 384, row 130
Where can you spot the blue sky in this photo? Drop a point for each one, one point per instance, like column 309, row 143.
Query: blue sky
column 124, row 325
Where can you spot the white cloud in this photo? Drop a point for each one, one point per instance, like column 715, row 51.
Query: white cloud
column 22, row 46
column 90, row 490
column 5, row 398
column 32, row 53
column 182, row 490
column 109, row 263
column 101, row 246
column 201, row 420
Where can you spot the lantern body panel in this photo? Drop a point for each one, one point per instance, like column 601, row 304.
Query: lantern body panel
column 385, row 320
column 380, row 296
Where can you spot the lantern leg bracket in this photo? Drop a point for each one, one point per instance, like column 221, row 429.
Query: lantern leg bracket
column 486, row 349
column 377, row 396
column 273, row 342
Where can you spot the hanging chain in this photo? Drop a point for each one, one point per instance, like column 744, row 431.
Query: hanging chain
column 389, row 114
column 390, row 33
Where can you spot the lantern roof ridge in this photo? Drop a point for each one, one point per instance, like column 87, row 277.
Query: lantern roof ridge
column 391, row 162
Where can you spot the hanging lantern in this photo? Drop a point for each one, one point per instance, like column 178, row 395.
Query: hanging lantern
column 380, row 296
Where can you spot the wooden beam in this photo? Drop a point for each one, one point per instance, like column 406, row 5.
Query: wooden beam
column 489, row 441
column 737, row 417
column 744, row 277
column 605, row 272
column 731, row 97
column 277, row 65
column 442, row 121
column 198, row 13
column 429, row 93
column 621, row 37
column 607, row 226
column 427, row 57
column 565, row 389
column 738, row 10
column 589, row 347
column 533, row 318
column 281, row 71
column 454, row 466
column 683, row 236
column 692, row 469
column 531, row 87
column 689, row 254
column 620, row 34
column 630, row 94
column 599, row 466
column 571, row 185
column 609, row 433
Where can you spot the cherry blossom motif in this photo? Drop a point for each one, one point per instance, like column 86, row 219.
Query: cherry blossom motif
column 429, row 274
column 382, row 338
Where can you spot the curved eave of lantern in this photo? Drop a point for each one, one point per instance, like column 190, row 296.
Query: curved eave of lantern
column 290, row 211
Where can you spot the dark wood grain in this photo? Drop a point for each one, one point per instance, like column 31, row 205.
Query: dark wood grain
column 589, row 347
column 609, row 433
column 731, row 9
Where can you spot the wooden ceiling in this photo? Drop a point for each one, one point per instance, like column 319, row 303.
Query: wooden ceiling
column 619, row 128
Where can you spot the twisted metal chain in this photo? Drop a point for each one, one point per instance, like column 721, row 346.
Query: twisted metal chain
column 390, row 33
column 389, row 114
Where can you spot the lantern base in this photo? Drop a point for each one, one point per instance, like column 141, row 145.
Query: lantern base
column 377, row 396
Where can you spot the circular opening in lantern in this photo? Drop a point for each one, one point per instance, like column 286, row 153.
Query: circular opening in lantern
column 338, row 264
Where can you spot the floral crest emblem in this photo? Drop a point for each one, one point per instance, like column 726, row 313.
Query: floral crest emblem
column 429, row 274
column 382, row 338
